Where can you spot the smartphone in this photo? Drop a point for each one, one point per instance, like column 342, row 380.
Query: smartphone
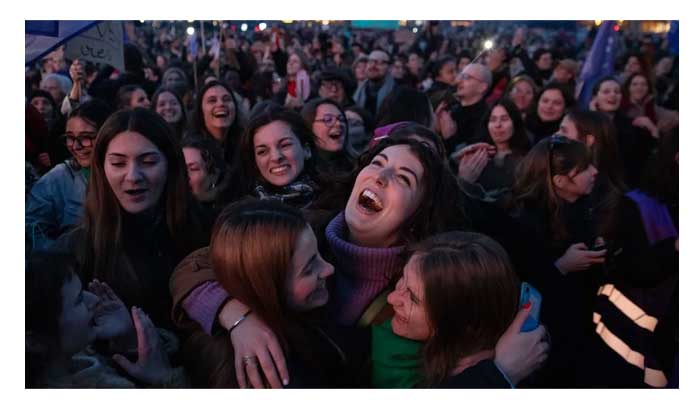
column 529, row 294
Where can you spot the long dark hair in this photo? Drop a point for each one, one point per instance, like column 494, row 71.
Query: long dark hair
column 246, row 168
column 198, row 126
column 661, row 174
column 308, row 114
column 95, row 112
column 463, row 274
column 518, row 142
column 405, row 104
column 100, row 250
column 554, row 155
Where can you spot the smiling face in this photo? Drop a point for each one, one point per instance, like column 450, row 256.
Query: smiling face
column 377, row 65
column 76, row 324
column 306, row 279
column 386, row 194
column 410, row 318
column 551, row 105
column 329, row 138
column 544, row 63
column 522, row 95
column 608, row 97
column 136, row 171
column 639, row 88
column 168, row 107
column 219, row 111
column 78, row 128
column 279, row 155
column 633, row 66
column 139, row 99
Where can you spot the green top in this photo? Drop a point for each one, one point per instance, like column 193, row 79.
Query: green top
column 86, row 173
column 395, row 360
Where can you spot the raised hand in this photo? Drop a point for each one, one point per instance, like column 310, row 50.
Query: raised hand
column 112, row 319
column 518, row 354
column 472, row 164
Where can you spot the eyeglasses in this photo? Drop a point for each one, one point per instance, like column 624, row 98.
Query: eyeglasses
column 329, row 119
column 84, row 140
column 380, row 62
column 465, row 77
column 330, row 85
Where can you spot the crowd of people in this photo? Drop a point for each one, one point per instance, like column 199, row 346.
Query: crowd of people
column 315, row 206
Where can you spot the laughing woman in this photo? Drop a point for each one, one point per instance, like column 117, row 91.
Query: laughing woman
column 402, row 193
column 277, row 160
column 326, row 120
column 216, row 116
column 140, row 219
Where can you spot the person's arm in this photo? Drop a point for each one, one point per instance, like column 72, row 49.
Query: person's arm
column 41, row 213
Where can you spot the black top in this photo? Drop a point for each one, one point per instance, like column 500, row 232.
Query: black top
column 469, row 120
column 483, row 375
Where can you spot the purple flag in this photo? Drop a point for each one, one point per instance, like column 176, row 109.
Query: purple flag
column 599, row 63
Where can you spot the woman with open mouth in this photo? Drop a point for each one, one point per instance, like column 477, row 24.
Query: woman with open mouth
column 216, row 115
column 55, row 203
column 277, row 159
column 140, row 217
column 637, row 139
column 325, row 118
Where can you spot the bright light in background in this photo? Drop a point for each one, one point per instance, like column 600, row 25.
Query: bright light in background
column 244, row 27
column 415, row 30
column 190, row 30
column 598, row 22
column 287, row 21
column 616, row 28
column 141, row 21
column 325, row 22
column 190, row 21
column 488, row 45
column 262, row 26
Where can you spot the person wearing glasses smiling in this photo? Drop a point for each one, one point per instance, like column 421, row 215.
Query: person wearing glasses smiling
column 56, row 200
column 325, row 118
column 378, row 85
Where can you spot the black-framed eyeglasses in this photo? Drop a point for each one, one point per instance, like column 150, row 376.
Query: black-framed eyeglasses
column 331, row 85
column 84, row 140
column 329, row 119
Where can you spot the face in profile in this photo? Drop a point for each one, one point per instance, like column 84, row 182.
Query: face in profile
column 386, row 194
column 76, row 323
column 279, row 155
column 136, row 171
column 306, row 279
column 408, row 301
column 196, row 170
column 576, row 183
column 139, row 99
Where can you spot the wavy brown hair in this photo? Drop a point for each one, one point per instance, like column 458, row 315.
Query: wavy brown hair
column 471, row 297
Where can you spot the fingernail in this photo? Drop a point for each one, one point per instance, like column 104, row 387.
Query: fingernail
column 285, row 382
column 527, row 305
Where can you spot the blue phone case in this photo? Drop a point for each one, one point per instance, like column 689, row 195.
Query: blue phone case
column 529, row 293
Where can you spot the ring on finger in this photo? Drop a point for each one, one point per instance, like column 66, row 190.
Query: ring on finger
column 252, row 360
